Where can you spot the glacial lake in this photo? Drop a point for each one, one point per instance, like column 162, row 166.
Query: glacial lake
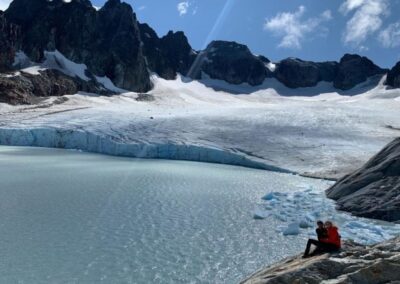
column 72, row 217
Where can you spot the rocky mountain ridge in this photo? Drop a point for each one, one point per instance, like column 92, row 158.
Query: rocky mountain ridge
column 113, row 44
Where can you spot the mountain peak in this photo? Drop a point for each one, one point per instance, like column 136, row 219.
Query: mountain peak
column 117, row 4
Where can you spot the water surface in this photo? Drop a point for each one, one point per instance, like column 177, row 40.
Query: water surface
column 71, row 217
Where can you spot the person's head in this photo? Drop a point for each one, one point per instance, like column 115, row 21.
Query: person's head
column 320, row 224
column 328, row 224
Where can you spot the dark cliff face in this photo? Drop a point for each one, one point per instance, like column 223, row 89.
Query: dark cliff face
column 393, row 76
column 231, row 62
column 354, row 69
column 8, row 39
column 296, row 73
column 373, row 190
column 107, row 41
column 349, row 72
column 112, row 43
column 168, row 55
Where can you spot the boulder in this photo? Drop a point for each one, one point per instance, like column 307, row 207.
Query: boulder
column 354, row 264
column 393, row 76
column 353, row 70
column 374, row 190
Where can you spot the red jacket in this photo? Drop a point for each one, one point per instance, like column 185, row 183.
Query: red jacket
column 333, row 237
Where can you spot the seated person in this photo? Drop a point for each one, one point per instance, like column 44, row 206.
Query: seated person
column 328, row 239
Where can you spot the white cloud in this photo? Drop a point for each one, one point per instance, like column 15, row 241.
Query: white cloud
column 183, row 8
column 327, row 15
column 4, row 4
column 367, row 19
column 141, row 8
column 350, row 5
column 293, row 28
column 390, row 37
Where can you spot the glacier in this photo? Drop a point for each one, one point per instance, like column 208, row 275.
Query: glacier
column 268, row 127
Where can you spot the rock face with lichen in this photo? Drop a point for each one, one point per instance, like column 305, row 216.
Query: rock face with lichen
column 354, row 264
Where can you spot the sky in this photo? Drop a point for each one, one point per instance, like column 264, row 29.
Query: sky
column 317, row 30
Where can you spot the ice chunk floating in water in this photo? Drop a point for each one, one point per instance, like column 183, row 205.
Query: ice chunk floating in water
column 299, row 210
column 292, row 229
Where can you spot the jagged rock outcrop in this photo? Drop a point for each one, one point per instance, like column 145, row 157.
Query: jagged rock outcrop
column 107, row 41
column 374, row 190
column 26, row 88
column 231, row 62
column 296, row 73
column 393, row 76
column 353, row 70
column 355, row 264
column 112, row 43
column 168, row 55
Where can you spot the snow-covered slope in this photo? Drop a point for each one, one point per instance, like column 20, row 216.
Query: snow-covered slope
column 322, row 134
column 56, row 60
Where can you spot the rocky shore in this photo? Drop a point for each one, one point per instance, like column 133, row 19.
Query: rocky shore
column 372, row 191
column 354, row 264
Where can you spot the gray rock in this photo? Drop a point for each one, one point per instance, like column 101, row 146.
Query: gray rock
column 27, row 88
column 374, row 190
column 355, row 264
column 145, row 98
column 393, row 76
column 353, row 70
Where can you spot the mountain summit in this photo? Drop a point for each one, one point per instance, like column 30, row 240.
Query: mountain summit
column 112, row 44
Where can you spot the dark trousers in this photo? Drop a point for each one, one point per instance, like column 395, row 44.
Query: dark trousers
column 321, row 247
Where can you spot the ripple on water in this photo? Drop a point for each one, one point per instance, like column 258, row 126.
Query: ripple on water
column 86, row 218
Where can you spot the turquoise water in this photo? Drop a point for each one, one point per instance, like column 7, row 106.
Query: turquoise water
column 71, row 217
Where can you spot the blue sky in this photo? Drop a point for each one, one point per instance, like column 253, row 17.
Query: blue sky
column 309, row 29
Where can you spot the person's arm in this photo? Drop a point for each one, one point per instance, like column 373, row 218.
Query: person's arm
column 324, row 236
